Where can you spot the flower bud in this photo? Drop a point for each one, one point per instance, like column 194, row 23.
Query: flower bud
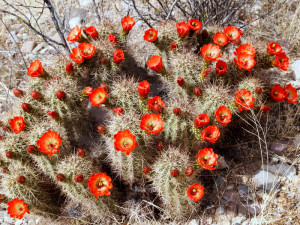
column 78, row 178
column 101, row 129
column 189, row 171
column 26, row 107
column 36, row 95
column 177, row 111
column 80, row 152
column 10, row 154
column 175, row 173
column 60, row 177
column 146, row 170
column 61, row 95
column 18, row 93
column 21, row 179
column 180, row 81
column 197, row 91
column 31, row 148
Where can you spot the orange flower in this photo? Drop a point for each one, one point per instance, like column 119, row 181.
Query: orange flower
column 210, row 52
column 205, row 72
column 244, row 99
column 207, row 159
column 17, row 124
column 118, row 56
column 233, row 33
column 183, row 29
column 210, row 134
column 112, row 39
column 264, row 108
column 156, row 104
column 245, row 61
column 274, row 48
column 201, row 120
column 144, row 88
column 281, row 61
column 152, row 123
column 36, row 69
column 223, row 115
column 173, row 46
column 291, row 93
column 87, row 50
column 151, row 35
column 155, row 64
column 75, row 34
column 17, row 208
column 247, row 48
column 92, row 32
column 221, row 67
column 49, row 143
column 127, row 23
column 195, row 24
column 277, row 93
column 125, row 141
column 76, row 56
column 98, row 96
column 99, row 184
column 220, row 39
column 195, row 192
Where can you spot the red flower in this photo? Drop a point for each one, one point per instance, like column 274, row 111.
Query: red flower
column 144, row 88
column 119, row 111
column 76, row 56
column 127, row 23
column 92, row 32
column 18, row 93
column 207, row 159
column 281, row 61
column 195, row 192
column 75, row 34
column 247, row 48
column 221, row 67
column 233, row 33
column 17, row 208
column 210, row 52
column 155, row 63
column 220, row 39
column 100, row 184
column 152, row 123
column 201, row 120
column 17, row 124
column 245, row 61
column 244, row 99
column 183, row 29
column 36, row 69
column 53, row 114
column 210, row 134
column 173, row 46
column 87, row 91
column 223, row 115
column 49, row 143
column 151, row 35
column 118, row 56
column 112, row 39
column 125, row 141
column 156, row 104
column 180, row 81
column 274, row 48
column 264, row 108
column 69, row 68
column 98, row 96
column 195, row 24
column 87, row 50
column 277, row 93
column 205, row 72
column 291, row 93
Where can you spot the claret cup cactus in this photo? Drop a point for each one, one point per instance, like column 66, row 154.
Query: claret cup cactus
column 93, row 130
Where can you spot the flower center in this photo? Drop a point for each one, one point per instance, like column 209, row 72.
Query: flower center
column 209, row 134
column 150, row 127
column 193, row 23
column 100, row 184
column 221, row 67
column 193, row 191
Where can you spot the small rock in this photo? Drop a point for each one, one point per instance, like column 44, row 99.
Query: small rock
column 296, row 140
column 16, row 27
column 280, row 146
column 274, row 160
column 219, row 180
column 19, row 222
column 12, row 37
column 232, row 210
column 253, row 209
column 31, row 222
column 220, row 210
column 282, row 169
column 222, row 163
column 268, row 180
column 231, row 196
column 38, row 47
column 254, row 221
column 85, row 3
column 243, row 190
column 193, row 222
column 56, row 37
column 28, row 46
column 242, row 210
column 75, row 21
column 238, row 220
column 230, row 187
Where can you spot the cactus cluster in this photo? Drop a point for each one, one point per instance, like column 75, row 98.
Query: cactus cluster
column 154, row 140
